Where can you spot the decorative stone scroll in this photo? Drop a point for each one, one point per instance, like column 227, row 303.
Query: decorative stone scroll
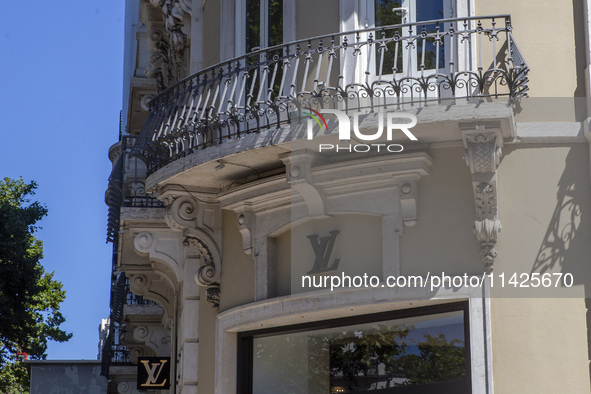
column 483, row 155
column 196, row 219
column 155, row 336
column 208, row 273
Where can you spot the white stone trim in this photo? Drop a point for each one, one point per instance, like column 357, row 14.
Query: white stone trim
column 228, row 28
column 196, row 51
column 323, row 305
column 551, row 132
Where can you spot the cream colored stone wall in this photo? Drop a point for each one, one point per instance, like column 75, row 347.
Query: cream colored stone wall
column 544, row 203
column 545, row 33
column 442, row 238
column 237, row 285
column 358, row 248
column 207, row 323
column 540, row 346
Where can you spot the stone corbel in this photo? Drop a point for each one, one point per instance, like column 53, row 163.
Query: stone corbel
column 483, row 155
column 184, row 212
column 299, row 176
column 246, row 221
column 199, row 222
column 136, row 351
column 408, row 202
column 154, row 287
column 154, row 336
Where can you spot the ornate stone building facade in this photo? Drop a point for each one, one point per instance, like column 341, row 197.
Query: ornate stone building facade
column 268, row 239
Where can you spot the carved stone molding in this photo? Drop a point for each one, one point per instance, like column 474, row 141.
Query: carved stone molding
column 483, row 155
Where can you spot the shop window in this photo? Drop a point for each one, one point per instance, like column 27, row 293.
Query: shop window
column 421, row 350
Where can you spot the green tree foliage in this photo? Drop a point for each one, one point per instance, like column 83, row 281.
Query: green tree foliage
column 29, row 297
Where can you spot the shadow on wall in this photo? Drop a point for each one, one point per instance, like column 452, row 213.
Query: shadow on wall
column 567, row 239
column 565, row 244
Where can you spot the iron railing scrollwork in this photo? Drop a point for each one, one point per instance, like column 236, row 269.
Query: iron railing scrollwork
column 393, row 66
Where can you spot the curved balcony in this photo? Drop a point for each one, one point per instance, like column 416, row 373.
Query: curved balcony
column 423, row 63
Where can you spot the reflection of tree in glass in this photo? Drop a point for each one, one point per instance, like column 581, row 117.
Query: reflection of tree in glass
column 439, row 360
column 253, row 24
column 380, row 360
column 430, row 45
column 385, row 17
column 357, row 361
column 372, row 356
column 254, row 41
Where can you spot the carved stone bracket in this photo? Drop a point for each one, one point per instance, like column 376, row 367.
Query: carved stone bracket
column 199, row 222
column 408, row 202
column 246, row 229
column 152, row 286
column 299, row 166
column 185, row 212
column 483, row 154
column 136, row 351
column 155, row 336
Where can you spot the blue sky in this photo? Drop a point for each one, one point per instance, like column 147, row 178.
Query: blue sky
column 60, row 95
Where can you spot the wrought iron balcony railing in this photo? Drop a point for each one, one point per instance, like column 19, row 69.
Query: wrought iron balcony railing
column 126, row 188
column 400, row 65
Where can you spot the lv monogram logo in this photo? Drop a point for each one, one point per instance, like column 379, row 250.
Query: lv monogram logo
column 153, row 372
column 323, row 248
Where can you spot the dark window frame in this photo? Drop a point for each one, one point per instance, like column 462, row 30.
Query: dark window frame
column 245, row 339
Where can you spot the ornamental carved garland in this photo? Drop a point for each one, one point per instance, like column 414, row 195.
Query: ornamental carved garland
column 208, row 274
column 168, row 46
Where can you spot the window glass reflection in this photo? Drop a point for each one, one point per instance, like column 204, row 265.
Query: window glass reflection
column 423, row 354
